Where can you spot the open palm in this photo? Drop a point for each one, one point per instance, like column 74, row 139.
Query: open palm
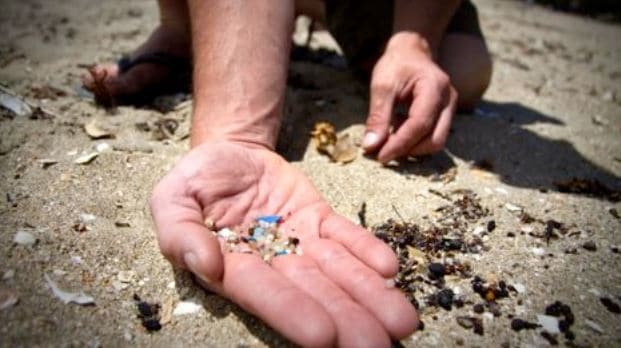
column 334, row 293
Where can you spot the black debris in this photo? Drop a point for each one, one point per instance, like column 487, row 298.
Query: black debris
column 491, row 226
column 590, row 246
column 614, row 213
column 436, row 270
column 478, row 308
column 519, row 325
column 148, row 313
column 610, row 305
column 550, row 338
column 362, row 214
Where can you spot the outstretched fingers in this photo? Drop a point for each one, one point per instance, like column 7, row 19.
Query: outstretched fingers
column 261, row 290
column 356, row 326
column 365, row 286
column 361, row 243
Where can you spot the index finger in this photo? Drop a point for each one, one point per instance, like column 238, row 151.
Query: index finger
column 423, row 113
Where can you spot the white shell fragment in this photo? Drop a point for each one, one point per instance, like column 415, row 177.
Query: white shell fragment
column 186, row 307
column 24, row 238
column 87, row 218
column 548, row 323
column 47, row 162
column 86, row 159
column 514, row 208
column 538, row 251
column 95, row 131
column 67, row 297
column 14, row 104
column 519, row 287
column 594, row 326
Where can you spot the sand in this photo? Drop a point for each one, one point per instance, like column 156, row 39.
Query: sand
column 553, row 112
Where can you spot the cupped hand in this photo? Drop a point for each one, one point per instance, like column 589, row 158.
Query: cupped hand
column 334, row 293
column 406, row 73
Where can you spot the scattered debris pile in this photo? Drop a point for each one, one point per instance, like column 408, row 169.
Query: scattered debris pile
column 264, row 238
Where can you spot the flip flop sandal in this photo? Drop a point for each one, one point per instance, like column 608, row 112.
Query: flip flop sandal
column 179, row 80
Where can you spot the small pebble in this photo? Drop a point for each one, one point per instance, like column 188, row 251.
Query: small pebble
column 445, row 298
column 491, row 226
column 478, row 308
column 437, row 270
column 590, row 246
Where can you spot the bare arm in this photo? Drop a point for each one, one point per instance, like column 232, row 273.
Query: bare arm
column 241, row 52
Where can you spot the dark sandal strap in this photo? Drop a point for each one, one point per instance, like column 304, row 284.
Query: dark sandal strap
column 176, row 63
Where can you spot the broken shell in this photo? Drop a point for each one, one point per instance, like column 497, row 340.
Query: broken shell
column 67, row 297
column 86, row 159
column 95, row 131
column 548, row 323
column 16, row 105
column 186, row 307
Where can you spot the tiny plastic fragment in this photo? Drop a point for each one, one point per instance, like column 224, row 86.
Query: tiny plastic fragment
column 186, row 307
column 67, row 297
column 548, row 323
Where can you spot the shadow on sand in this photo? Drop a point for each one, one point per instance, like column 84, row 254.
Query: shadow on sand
column 494, row 134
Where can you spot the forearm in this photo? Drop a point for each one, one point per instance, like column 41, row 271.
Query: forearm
column 240, row 52
column 426, row 18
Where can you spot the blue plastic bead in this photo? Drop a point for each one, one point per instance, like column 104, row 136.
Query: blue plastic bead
column 270, row 219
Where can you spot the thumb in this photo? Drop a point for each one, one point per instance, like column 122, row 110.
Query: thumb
column 380, row 113
column 182, row 235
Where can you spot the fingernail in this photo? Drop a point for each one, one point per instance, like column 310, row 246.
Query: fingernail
column 191, row 261
column 369, row 139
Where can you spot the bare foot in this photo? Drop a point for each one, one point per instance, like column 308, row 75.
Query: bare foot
column 146, row 79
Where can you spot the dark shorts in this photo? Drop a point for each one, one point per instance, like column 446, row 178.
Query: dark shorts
column 363, row 27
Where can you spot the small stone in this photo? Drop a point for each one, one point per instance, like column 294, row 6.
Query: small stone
column 445, row 299
column 24, row 238
column 87, row 158
column 514, row 208
column 437, row 270
column 538, row 251
column 491, row 226
column 520, row 288
column 590, row 246
column 186, row 307
column 478, row 308
column 465, row 322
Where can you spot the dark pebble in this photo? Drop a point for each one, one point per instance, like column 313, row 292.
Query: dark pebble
column 610, row 305
column 152, row 324
column 145, row 309
column 590, row 246
column 437, row 270
column 519, row 325
column 550, row 338
column 614, row 213
column 510, row 234
column 478, row 308
column 421, row 325
column 614, row 250
column 494, row 308
column 445, row 299
column 491, row 225
column 478, row 327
